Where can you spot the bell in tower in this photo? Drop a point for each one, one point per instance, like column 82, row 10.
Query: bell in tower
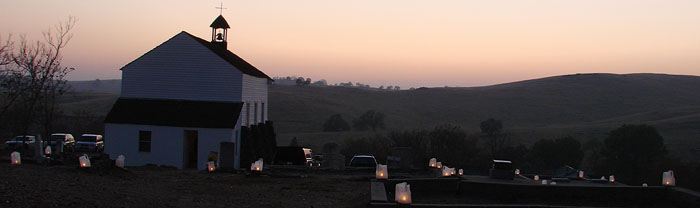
column 218, row 31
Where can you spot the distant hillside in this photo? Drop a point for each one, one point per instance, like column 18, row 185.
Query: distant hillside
column 112, row 86
column 561, row 100
column 585, row 106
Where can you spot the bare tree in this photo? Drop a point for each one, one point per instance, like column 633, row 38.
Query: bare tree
column 5, row 46
column 497, row 140
column 32, row 76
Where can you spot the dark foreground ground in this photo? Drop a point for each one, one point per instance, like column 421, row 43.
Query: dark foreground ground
column 35, row 185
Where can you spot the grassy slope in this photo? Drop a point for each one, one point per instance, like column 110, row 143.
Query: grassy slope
column 585, row 106
column 561, row 100
column 112, row 86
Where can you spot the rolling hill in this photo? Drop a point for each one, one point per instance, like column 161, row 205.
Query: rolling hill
column 585, row 106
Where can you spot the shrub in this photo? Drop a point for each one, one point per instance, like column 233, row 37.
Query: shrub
column 336, row 123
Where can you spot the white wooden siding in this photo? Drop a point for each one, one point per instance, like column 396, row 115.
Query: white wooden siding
column 254, row 91
column 182, row 68
column 166, row 144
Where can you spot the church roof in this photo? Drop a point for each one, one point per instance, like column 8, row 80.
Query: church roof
column 231, row 58
column 179, row 113
column 225, row 54
column 219, row 22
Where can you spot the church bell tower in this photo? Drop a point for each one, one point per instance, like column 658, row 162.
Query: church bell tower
column 218, row 31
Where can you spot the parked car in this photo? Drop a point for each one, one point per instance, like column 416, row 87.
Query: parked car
column 90, row 143
column 317, row 160
column 19, row 141
column 502, row 169
column 363, row 161
column 66, row 140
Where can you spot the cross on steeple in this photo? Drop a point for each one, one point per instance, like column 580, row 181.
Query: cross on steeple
column 221, row 8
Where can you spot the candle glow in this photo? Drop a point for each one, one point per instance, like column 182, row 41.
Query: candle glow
column 403, row 193
column 84, row 161
column 381, row 172
column 211, row 166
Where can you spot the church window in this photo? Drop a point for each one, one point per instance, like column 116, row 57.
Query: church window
column 144, row 141
column 247, row 114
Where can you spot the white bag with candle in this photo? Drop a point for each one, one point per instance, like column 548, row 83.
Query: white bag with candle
column 669, row 179
column 445, row 171
column 47, row 150
column 84, row 161
column 257, row 165
column 382, row 172
column 120, row 161
column 439, row 165
column 432, row 163
column 402, row 193
column 260, row 164
column 461, row 172
column 15, row 158
column 211, row 166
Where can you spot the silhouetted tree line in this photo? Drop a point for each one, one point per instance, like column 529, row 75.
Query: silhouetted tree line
column 448, row 142
column 548, row 154
column 371, row 119
column 635, row 154
column 301, row 81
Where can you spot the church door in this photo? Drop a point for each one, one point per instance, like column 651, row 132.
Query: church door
column 190, row 149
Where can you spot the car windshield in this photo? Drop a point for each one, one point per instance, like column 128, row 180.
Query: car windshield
column 57, row 137
column 363, row 162
column 88, row 138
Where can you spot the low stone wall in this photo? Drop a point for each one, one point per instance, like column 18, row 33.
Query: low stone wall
column 454, row 192
column 426, row 186
column 544, row 192
column 684, row 197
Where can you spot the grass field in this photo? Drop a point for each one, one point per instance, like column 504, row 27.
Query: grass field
column 585, row 106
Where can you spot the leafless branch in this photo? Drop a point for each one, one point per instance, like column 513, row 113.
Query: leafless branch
column 32, row 76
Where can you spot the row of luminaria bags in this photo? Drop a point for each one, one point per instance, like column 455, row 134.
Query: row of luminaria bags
column 83, row 161
column 403, row 190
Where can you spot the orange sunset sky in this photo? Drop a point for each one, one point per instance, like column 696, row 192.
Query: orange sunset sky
column 386, row 42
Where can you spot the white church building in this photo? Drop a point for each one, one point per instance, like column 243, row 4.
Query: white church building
column 180, row 100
